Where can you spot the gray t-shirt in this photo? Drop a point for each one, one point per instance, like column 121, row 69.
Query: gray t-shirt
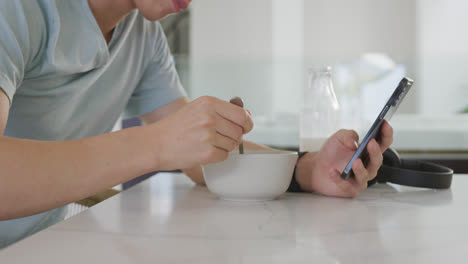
column 65, row 82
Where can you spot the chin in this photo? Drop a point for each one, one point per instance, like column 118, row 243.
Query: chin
column 154, row 9
column 155, row 16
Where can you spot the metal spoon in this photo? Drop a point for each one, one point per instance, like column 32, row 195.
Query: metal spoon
column 238, row 101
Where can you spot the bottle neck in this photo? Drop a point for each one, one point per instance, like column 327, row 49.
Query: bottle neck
column 320, row 90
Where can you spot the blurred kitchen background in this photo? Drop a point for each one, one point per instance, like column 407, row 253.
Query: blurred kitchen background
column 260, row 50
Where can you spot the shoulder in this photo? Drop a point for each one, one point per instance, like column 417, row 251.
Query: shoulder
column 22, row 25
column 21, row 14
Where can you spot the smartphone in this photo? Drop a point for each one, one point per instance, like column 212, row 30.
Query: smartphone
column 374, row 132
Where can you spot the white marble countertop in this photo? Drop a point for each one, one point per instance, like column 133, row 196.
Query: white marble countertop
column 167, row 219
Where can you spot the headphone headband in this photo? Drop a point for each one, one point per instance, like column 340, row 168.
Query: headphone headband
column 414, row 173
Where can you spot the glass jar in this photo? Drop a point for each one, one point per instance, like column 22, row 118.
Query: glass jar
column 320, row 112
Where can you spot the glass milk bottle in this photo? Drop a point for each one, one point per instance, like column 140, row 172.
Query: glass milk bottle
column 319, row 115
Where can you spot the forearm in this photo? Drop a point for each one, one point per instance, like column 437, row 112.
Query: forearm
column 196, row 173
column 37, row 176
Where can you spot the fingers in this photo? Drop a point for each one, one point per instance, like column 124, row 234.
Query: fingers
column 348, row 187
column 235, row 114
column 216, row 147
column 352, row 186
column 375, row 158
column 361, row 174
column 231, row 112
column 219, row 128
column 386, row 136
column 225, row 143
column 349, row 138
column 228, row 129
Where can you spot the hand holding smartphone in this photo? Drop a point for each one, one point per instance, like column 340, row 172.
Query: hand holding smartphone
column 374, row 132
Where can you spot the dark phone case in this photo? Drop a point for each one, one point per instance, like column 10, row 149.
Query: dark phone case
column 374, row 132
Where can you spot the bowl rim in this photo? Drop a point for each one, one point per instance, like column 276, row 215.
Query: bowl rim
column 264, row 152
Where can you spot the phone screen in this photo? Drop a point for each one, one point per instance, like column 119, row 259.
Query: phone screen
column 374, row 132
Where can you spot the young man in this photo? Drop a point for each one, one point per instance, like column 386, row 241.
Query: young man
column 69, row 68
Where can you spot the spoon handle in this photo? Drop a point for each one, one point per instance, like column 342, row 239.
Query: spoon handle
column 241, row 147
column 238, row 101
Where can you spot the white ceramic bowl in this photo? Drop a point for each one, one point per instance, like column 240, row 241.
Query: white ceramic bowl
column 252, row 176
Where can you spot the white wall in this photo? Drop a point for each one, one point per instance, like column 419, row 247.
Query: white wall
column 443, row 53
column 231, row 51
column 288, row 54
column 256, row 48
column 339, row 31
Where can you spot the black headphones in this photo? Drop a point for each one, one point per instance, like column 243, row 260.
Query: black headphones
column 413, row 173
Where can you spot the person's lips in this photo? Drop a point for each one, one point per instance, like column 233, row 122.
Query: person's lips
column 180, row 5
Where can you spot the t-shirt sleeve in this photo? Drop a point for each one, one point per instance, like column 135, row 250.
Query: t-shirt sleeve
column 160, row 84
column 15, row 50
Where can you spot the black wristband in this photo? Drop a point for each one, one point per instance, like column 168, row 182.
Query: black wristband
column 294, row 185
